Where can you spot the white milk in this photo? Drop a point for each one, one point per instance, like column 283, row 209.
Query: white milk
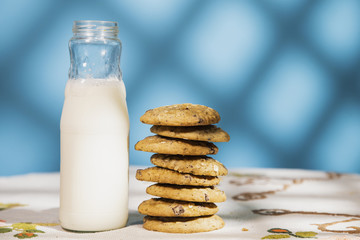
column 94, row 155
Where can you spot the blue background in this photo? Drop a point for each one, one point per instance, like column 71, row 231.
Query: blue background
column 284, row 76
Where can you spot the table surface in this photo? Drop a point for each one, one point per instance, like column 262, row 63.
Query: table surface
column 261, row 204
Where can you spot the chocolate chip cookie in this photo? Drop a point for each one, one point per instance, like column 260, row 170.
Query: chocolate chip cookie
column 183, row 225
column 161, row 207
column 210, row 133
column 165, row 145
column 162, row 175
column 187, row 193
column 185, row 114
column 197, row 165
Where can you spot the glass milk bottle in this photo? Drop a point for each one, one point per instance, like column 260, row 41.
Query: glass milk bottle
column 94, row 132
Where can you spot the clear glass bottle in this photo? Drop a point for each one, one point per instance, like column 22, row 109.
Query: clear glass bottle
column 94, row 132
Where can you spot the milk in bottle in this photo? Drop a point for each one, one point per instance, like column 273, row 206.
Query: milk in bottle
column 94, row 132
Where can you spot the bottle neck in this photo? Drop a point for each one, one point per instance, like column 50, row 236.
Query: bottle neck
column 95, row 29
column 95, row 50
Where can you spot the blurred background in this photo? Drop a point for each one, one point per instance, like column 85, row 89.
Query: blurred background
column 284, row 76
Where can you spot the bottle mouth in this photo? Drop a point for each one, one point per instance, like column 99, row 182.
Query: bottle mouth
column 92, row 28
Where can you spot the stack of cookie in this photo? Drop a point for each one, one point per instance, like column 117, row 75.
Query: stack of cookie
column 185, row 176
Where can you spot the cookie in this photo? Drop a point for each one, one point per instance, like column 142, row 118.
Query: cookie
column 162, row 175
column 209, row 133
column 183, row 225
column 161, row 207
column 164, row 145
column 187, row 193
column 197, row 165
column 186, row 114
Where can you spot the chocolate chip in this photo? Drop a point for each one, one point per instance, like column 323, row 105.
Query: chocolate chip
column 178, row 210
column 206, row 198
column 188, row 176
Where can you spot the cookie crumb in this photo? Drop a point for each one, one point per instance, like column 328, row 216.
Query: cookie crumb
column 244, row 229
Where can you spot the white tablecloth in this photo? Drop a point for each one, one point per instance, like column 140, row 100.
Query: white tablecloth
column 261, row 204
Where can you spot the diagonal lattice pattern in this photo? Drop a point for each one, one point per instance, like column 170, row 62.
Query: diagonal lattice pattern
column 284, row 75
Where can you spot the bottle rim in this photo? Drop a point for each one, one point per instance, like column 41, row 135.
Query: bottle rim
column 95, row 28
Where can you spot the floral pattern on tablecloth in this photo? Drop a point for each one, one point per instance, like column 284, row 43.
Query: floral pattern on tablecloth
column 261, row 204
column 281, row 184
column 24, row 229
column 4, row 206
column 278, row 233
